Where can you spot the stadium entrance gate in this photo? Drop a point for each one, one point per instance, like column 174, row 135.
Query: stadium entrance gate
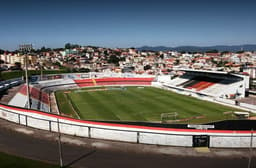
column 201, row 141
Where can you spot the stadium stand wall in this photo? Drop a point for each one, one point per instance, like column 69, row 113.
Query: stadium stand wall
column 39, row 99
column 249, row 106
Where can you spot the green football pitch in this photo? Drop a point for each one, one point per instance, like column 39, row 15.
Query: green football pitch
column 138, row 104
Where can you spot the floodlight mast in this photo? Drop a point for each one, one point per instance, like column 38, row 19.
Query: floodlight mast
column 25, row 49
column 251, row 150
column 59, row 143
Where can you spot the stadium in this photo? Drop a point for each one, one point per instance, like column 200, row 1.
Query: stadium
column 194, row 109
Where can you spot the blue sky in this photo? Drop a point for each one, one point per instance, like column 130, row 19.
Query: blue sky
column 126, row 23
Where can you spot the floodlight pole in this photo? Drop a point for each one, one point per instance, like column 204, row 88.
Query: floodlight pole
column 41, row 69
column 24, row 48
column 27, row 82
column 0, row 68
column 59, row 143
column 41, row 75
column 251, row 145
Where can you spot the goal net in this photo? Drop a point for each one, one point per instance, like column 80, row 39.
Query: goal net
column 169, row 117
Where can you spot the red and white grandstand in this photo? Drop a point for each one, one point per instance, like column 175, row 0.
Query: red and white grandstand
column 113, row 81
column 40, row 90
column 209, row 83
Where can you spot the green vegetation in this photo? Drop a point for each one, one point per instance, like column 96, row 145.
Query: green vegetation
column 10, row 161
column 15, row 74
column 137, row 104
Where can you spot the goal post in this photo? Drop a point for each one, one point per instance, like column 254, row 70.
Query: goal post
column 169, row 116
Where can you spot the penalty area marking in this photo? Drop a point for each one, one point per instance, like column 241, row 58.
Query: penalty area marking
column 90, row 90
column 71, row 105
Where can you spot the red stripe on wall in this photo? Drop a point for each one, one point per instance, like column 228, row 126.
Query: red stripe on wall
column 123, row 125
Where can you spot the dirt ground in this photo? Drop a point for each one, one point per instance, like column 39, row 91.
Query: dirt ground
column 84, row 152
column 6, row 97
column 250, row 100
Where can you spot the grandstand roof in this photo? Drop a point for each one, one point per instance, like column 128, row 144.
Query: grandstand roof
column 203, row 71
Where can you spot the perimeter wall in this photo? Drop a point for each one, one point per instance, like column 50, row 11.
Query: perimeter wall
column 126, row 133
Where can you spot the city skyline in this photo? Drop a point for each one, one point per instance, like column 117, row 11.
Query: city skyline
column 126, row 23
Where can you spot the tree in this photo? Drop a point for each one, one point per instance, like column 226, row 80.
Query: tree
column 71, row 46
column 44, row 49
column 147, row 67
column 57, row 49
column 17, row 65
column 106, row 52
column 67, row 46
column 86, row 70
column 72, row 59
column 240, row 52
column 224, row 52
column 57, row 64
column 75, row 46
column 177, row 62
column 212, row 51
column 122, row 59
column 113, row 59
column 1, row 51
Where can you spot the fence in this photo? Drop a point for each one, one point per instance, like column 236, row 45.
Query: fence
column 126, row 133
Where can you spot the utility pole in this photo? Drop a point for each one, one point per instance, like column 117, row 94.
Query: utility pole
column 40, row 63
column 0, row 68
column 41, row 74
column 59, row 143
column 25, row 49
column 251, row 146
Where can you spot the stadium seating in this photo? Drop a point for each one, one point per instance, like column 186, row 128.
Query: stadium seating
column 19, row 100
column 84, row 82
column 178, row 81
column 39, row 93
column 218, row 88
column 39, row 100
column 36, row 94
column 200, row 83
column 113, row 81
column 57, row 84
column 211, row 84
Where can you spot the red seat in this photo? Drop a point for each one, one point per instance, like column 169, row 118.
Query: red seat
column 114, row 81
column 35, row 93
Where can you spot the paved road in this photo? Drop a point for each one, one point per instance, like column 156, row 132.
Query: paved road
column 83, row 152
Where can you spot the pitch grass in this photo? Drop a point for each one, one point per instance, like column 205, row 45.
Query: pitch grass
column 137, row 104
column 10, row 161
